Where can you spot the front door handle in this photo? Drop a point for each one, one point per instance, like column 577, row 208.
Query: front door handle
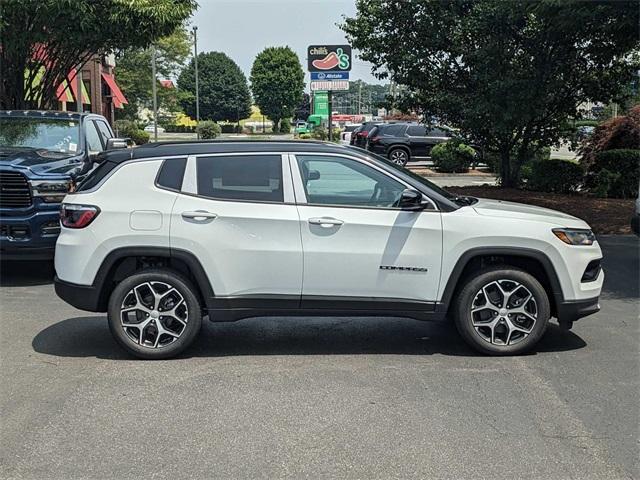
column 325, row 221
column 199, row 215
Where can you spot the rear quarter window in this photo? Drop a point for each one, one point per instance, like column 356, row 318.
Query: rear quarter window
column 171, row 173
column 95, row 176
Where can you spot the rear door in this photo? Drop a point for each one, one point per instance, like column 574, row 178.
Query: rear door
column 434, row 137
column 237, row 214
column 359, row 247
column 416, row 135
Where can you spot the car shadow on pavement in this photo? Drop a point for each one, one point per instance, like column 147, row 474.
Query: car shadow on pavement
column 26, row 273
column 90, row 337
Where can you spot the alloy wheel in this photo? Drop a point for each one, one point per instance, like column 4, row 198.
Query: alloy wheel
column 504, row 312
column 154, row 314
column 399, row 157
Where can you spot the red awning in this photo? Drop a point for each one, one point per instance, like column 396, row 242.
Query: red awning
column 74, row 87
column 118, row 98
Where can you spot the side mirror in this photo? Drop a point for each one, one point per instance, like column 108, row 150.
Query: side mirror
column 115, row 143
column 412, row 200
column 313, row 175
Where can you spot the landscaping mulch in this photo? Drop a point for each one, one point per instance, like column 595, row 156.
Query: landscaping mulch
column 605, row 215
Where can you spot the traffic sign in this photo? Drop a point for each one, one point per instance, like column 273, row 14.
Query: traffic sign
column 329, row 75
column 329, row 58
column 330, row 85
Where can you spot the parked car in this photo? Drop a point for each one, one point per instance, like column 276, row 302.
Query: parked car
column 402, row 141
column 354, row 134
column 150, row 128
column 345, row 135
column 363, row 133
column 635, row 219
column 40, row 154
column 300, row 128
column 162, row 235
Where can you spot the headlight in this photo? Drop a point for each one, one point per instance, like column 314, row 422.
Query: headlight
column 51, row 191
column 575, row 236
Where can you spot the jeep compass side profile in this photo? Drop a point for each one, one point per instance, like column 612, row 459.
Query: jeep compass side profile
column 163, row 235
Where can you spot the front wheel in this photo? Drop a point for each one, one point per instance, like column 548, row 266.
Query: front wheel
column 399, row 156
column 502, row 311
column 154, row 314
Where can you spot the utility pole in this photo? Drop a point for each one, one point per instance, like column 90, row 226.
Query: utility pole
column 330, row 114
column 79, row 88
column 360, row 97
column 195, row 56
column 155, row 93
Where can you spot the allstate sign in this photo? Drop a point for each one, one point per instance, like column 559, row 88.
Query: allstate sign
column 329, row 75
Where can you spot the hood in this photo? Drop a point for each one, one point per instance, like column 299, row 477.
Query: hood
column 501, row 208
column 39, row 161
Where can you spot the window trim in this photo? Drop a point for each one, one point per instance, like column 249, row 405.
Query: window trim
column 190, row 179
column 96, row 121
column 301, row 196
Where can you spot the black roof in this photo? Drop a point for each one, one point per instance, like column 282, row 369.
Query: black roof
column 44, row 114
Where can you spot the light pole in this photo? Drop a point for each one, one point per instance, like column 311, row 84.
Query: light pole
column 195, row 56
column 79, row 88
column 155, row 93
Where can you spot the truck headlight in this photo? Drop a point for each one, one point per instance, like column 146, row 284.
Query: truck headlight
column 575, row 236
column 50, row 191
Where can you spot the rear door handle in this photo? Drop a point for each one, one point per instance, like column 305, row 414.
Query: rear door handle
column 325, row 221
column 199, row 215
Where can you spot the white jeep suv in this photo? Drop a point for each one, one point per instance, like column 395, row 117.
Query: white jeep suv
column 163, row 235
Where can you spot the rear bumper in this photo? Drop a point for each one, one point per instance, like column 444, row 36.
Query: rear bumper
column 82, row 297
column 572, row 310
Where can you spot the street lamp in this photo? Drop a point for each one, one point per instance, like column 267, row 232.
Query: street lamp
column 195, row 56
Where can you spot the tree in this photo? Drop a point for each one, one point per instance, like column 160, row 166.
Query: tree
column 41, row 41
column 133, row 70
column 224, row 93
column 507, row 73
column 277, row 82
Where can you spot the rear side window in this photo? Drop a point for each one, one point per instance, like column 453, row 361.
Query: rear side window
column 393, row 130
column 171, row 173
column 248, row 178
column 416, row 131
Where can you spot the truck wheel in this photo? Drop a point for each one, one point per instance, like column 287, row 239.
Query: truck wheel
column 502, row 311
column 154, row 314
column 399, row 156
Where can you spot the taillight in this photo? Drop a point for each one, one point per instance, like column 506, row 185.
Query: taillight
column 363, row 134
column 374, row 139
column 77, row 216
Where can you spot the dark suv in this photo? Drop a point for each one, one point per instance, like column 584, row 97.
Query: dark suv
column 401, row 141
column 360, row 134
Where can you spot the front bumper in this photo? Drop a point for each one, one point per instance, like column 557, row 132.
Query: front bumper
column 572, row 310
column 29, row 236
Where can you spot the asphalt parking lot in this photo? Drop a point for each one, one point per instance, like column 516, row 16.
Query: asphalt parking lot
column 318, row 398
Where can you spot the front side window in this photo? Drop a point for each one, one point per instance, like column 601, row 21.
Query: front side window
column 94, row 145
column 242, row 177
column 104, row 131
column 345, row 182
column 393, row 130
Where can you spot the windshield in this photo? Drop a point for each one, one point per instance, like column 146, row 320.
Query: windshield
column 57, row 135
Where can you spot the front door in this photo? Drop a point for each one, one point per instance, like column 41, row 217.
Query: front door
column 360, row 249
column 237, row 214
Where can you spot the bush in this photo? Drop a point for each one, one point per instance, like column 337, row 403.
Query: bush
column 452, row 156
column 139, row 137
column 614, row 134
column 129, row 129
column 285, row 125
column 555, row 175
column 304, row 136
column 615, row 173
column 319, row 133
column 208, row 130
column 230, row 128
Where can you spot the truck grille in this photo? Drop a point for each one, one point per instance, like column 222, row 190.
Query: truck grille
column 14, row 190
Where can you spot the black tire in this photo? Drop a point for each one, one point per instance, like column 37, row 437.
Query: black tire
column 399, row 156
column 467, row 295
column 188, row 331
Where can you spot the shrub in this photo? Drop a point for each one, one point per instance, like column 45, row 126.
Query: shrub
column 208, row 130
column 285, row 125
column 555, row 175
column 614, row 134
column 139, row 137
column 615, row 173
column 452, row 156
column 129, row 129
column 304, row 136
column 319, row 133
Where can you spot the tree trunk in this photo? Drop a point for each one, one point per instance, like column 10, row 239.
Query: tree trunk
column 506, row 174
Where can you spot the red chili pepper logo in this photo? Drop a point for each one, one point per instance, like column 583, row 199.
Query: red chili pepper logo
column 327, row 63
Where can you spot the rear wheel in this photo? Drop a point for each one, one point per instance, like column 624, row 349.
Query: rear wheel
column 399, row 156
column 154, row 314
column 502, row 311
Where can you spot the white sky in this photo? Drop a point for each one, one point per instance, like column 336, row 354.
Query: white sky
column 243, row 28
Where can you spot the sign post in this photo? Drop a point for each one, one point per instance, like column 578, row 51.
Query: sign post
column 329, row 67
